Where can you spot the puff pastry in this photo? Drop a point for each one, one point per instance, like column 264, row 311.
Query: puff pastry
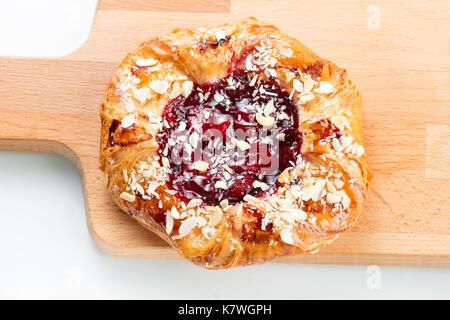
column 235, row 144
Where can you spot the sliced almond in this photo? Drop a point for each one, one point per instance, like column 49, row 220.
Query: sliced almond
column 224, row 203
column 193, row 139
column 340, row 122
column 305, row 97
column 286, row 52
column 284, row 176
column 289, row 76
column 165, row 162
column 286, row 236
column 221, row 185
column 332, row 198
column 146, row 62
column 359, row 150
column 253, row 81
column 176, row 91
column 298, row 86
column 324, row 88
column 141, row 94
column 216, row 217
column 169, row 223
column 128, row 196
column 189, row 224
column 174, row 212
column 345, row 201
column 128, row 121
column 308, row 84
column 330, row 187
column 318, row 187
column 201, row 166
column 186, row 88
column 159, row 86
column 194, row 203
column 250, row 198
column 269, row 108
column 243, row 145
column 218, row 97
column 266, row 122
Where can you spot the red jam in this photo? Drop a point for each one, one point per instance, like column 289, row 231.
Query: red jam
column 217, row 126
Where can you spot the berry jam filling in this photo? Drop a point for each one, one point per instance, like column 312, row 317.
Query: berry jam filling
column 229, row 139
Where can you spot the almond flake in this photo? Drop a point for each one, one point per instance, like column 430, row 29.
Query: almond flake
column 298, row 86
column 280, row 136
column 333, row 198
column 201, row 166
column 318, row 187
column 165, row 162
column 218, row 97
column 174, row 212
column 169, row 223
column 330, row 187
column 193, row 139
column 190, row 223
column 289, row 76
column 308, row 84
column 340, row 122
column 345, row 201
column 194, row 203
column 141, row 94
column 252, row 83
column 298, row 214
column 324, row 87
column 159, row 86
column 176, row 91
column 286, row 236
column 287, row 52
column 305, row 97
column 346, row 141
column 128, row 196
column 224, row 203
column 336, row 144
column 250, row 198
column 243, row 145
column 221, row 185
column 266, row 122
column 284, row 176
column 216, row 217
column 128, row 121
column 226, row 167
column 249, row 62
column 338, row 183
column 272, row 72
column 269, row 108
column 258, row 184
column 186, row 88
column 146, row 62
column 359, row 150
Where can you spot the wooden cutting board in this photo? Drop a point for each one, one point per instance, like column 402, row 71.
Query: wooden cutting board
column 397, row 51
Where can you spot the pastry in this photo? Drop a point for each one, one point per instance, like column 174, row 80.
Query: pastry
column 235, row 144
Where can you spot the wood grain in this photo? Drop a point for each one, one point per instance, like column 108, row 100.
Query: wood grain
column 402, row 69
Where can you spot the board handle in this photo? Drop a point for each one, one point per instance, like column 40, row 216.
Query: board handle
column 50, row 105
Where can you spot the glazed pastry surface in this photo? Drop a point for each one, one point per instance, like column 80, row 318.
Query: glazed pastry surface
column 236, row 144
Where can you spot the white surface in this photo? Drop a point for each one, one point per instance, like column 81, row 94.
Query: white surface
column 47, row 251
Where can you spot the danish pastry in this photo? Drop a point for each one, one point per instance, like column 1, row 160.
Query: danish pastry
column 235, row 144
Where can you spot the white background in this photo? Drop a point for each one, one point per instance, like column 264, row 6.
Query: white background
column 46, row 251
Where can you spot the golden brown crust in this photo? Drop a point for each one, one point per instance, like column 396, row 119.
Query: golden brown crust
column 320, row 197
